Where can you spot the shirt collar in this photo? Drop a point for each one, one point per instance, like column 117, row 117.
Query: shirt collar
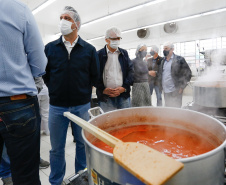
column 170, row 57
column 75, row 41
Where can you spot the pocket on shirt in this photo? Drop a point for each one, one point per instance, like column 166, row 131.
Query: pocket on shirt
column 20, row 122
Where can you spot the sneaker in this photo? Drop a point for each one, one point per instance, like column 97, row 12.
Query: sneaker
column 43, row 164
column 7, row 181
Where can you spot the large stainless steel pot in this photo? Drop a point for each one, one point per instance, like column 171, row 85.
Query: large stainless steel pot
column 205, row 169
column 210, row 94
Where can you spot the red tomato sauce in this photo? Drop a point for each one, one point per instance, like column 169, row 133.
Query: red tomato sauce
column 174, row 142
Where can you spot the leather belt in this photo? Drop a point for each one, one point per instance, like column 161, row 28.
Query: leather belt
column 19, row 97
column 15, row 97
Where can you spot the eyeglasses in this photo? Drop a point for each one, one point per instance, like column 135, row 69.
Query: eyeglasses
column 118, row 38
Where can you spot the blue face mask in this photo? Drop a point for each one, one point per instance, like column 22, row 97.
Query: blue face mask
column 143, row 54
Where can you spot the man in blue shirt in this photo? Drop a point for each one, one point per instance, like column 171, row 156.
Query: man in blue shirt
column 22, row 59
column 72, row 70
column 174, row 74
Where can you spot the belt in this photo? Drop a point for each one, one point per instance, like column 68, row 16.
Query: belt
column 16, row 97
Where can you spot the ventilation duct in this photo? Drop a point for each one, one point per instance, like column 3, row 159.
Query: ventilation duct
column 170, row 27
column 143, row 33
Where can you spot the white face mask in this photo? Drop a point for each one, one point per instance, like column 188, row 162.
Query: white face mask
column 65, row 27
column 114, row 44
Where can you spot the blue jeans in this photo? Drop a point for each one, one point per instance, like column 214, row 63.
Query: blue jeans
column 158, row 93
column 20, row 131
column 115, row 103
column 58, row 125
column 5, row 171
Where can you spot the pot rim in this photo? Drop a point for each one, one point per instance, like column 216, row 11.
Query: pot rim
column 183, row 160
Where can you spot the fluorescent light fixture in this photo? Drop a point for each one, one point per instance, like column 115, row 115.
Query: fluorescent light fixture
column 122, row 12
column 119, row 13
column 42, row 6
column 96, row 38
column 214, row 12
column 165, row 22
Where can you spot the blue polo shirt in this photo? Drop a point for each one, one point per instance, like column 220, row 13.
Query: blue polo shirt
column 167, row 80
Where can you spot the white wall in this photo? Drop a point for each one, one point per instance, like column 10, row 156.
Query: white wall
column 195, row 29
column 199, row 28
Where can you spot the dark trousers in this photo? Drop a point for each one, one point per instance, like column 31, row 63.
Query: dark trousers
column 20, row 131
column 173, row 99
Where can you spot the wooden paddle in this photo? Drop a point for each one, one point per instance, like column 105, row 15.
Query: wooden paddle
column 147, row 164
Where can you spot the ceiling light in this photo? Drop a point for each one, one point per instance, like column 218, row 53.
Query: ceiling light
column 122, row 12
column 170, row 21
column 96, row 38
column 119, row 13
column 42, row 6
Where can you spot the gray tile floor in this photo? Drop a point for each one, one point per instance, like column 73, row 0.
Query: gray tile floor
column 69, row 155
column 70, row 146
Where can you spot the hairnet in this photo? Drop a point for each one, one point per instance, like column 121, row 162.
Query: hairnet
column 155, row 48
column 113, row 32
column 138, row 48
column 73, row 14
column 168, row 44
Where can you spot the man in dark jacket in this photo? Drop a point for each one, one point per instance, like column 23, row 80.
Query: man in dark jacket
column 174, row 74
column 72, row 70
column 153, row 68
column 116, row 73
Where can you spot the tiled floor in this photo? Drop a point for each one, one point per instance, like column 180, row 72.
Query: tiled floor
column 70, row 146
column 69, row 155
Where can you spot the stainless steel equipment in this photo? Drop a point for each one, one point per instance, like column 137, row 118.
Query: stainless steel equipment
column 215, row 56
column 210, row 94
column 205, row 169
column 77, row 179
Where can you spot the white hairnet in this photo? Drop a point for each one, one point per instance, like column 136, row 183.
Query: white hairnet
column 138, row 48
column 73, row 14
column 168, row 44
column 113, row 32
column 155, row 48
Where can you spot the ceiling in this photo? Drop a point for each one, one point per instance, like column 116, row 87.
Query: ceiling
column 206, row 26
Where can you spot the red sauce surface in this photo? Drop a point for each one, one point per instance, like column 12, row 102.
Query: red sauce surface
column 174, row 142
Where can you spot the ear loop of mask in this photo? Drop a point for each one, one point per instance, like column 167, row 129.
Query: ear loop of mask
column 76, row 25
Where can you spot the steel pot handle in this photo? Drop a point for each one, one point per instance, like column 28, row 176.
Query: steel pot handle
column 94, row 109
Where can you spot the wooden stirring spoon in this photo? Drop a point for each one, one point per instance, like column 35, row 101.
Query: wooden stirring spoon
column 145, row 163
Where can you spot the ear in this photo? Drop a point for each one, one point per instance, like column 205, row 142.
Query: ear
column 108, row 41
column 77, row 24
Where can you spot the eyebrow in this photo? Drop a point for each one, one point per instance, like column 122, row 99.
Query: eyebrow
column 68, row 17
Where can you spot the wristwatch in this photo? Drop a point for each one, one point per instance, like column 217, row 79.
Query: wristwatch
column 125, row 90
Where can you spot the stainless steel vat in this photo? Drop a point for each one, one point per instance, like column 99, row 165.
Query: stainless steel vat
column 210, row 94
column 203, row 169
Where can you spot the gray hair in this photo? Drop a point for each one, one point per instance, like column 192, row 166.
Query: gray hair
column 155, row 48
column 168, row 44
column 113, row 32
column 73, row 14
column 138, row 48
